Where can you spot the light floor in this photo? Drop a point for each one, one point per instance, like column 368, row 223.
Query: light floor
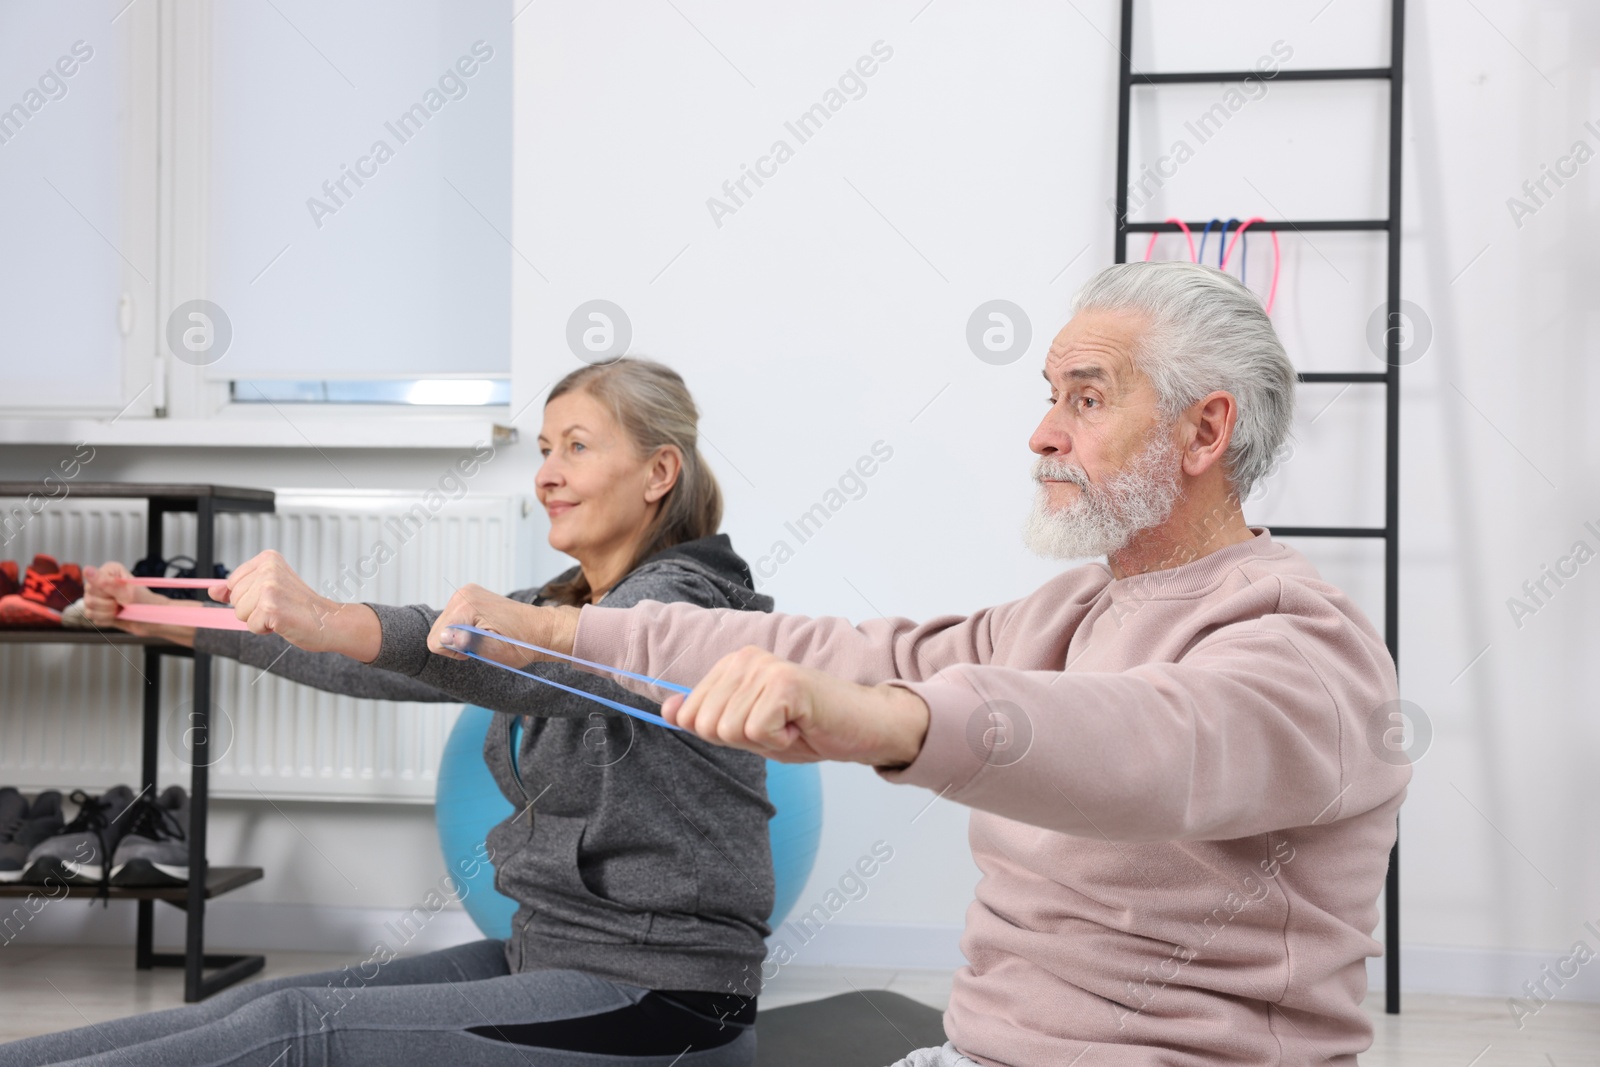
column 53, row 988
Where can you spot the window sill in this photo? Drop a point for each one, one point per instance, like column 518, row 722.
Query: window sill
column 268, row 429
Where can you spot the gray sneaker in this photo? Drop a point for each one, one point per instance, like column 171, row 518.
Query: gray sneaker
column 156, row 850
column 82, row 851
column 22, row 826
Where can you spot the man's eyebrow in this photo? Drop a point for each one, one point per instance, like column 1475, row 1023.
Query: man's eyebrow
column 1083, row 374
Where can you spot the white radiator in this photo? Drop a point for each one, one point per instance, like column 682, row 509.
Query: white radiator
column 70, row 715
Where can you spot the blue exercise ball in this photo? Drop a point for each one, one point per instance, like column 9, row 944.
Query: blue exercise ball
column 469, row 803
column 795, row 789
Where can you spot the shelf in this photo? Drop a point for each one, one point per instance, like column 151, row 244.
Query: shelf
column 172, row 496
column 219, row 880
column 206, row 502
column 87, row 637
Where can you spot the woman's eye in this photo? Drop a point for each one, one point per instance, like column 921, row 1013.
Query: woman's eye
column 578, row 446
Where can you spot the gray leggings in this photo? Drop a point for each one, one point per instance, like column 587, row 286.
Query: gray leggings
column 459, row 1007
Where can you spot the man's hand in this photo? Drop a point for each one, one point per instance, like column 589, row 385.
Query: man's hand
column 271, row 598
column 473, row 605
column 753, row 700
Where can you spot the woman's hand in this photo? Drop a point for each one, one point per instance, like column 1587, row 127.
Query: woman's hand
column 106, row 588
column 473, row 605
column 753, row 700
column 270, row 598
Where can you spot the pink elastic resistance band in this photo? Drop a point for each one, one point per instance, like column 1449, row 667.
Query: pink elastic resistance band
column 182, row 615
column 1186, row 234
column 196, row 615
column 1277, row 258
column 176, row 583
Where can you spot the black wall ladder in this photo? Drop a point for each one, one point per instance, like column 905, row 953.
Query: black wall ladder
column 1390, row 530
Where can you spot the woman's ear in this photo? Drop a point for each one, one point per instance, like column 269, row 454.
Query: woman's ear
column 665, row 467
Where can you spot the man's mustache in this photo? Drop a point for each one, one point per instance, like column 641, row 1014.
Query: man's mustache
column 1059, row 471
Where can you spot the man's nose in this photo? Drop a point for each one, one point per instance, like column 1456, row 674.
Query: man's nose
column 1049, row 439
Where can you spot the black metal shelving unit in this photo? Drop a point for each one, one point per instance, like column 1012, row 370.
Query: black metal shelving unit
column 1394, row 74
column 205, row 882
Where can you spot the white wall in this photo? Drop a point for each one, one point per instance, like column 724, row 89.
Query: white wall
column 829, row 312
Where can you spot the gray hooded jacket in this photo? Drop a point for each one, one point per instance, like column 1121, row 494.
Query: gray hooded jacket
column 636, row 853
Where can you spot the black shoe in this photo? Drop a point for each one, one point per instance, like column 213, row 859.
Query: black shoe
column 23, row 826
column 81, row 853
column 155, row 851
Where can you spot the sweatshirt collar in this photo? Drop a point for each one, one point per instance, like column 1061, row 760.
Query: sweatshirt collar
column 1195, row 576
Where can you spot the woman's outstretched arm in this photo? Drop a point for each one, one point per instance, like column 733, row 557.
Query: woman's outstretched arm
column 377, row 650
column 107, row 587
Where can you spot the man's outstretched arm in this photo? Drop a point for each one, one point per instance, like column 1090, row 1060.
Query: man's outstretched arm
column 681, row 642
column 1259, row 727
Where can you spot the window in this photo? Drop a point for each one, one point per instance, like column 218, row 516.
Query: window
column 330, row 226
column 71, row 241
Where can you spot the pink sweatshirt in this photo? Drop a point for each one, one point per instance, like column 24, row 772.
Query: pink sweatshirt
column 1179, row 809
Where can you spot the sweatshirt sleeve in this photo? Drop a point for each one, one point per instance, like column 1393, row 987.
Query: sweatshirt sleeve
column 681, row 642
column 1260, row 726
column 405, row 651
column 329, row 671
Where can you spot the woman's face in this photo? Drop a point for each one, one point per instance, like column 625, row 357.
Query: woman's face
column 599, row 492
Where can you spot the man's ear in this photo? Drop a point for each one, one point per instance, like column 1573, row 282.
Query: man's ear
column 665, row 468
column 1211, row 422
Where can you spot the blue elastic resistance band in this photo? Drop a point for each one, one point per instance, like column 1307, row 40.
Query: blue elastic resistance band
column 1200, row 256
column 614, row 705
column 1222, row 245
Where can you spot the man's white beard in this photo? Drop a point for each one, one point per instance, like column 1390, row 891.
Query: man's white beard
column 1105, row 516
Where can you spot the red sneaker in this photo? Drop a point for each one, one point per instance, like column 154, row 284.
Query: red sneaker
column 8, row 578
column 48, row 588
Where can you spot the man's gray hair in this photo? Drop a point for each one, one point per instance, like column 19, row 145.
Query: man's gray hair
column 1207, row 332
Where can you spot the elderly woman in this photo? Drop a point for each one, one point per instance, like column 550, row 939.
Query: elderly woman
column 638, row 855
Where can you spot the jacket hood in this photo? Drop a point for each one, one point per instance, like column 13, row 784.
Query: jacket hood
column 715, row 558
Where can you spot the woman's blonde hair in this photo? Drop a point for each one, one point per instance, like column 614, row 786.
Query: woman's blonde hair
column 653, row 407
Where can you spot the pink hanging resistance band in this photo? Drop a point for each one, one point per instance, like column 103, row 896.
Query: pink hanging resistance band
column 1277, row 257
column 1186, row 234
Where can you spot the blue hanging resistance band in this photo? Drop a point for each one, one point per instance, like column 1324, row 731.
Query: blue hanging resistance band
column 1200, row 257
column 614, row 705
column 1223, row 243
